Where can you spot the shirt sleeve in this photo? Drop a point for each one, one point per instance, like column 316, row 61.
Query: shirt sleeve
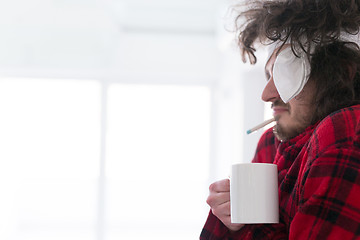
column 214, row 229
column 329, row 196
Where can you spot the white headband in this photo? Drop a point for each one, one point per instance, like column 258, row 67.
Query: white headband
column 291, row 73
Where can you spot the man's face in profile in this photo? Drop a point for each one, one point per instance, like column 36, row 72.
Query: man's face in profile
column 294, row 117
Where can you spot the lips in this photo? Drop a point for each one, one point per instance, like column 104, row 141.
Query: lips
column 279, row 110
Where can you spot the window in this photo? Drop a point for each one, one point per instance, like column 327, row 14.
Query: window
column 156, row 160
column 49, row 140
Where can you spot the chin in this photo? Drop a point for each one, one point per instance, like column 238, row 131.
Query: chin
column 284, row 133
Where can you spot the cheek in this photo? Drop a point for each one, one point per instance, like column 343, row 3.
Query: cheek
column 301, row 115
column 302, row 97
column 307, row 95
column 303, row 104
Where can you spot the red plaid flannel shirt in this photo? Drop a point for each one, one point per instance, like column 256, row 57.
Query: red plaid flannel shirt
column 319, row 183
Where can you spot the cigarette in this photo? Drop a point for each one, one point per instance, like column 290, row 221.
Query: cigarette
column 261, row 125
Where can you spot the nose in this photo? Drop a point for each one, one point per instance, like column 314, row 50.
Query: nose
column 270, row 93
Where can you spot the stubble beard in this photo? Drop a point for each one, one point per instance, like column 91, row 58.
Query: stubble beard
column 284, row 133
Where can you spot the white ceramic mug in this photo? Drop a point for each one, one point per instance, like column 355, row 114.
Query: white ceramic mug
column 254, row 195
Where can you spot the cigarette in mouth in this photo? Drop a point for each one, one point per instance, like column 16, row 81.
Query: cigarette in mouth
column 261, row 125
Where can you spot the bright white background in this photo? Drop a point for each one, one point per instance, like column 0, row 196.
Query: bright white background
column 116, row 115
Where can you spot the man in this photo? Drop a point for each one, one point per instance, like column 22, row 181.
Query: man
column 313, row 83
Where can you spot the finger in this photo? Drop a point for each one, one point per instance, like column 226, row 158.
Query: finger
column 220, row 186
column 225, row 208
column 222, row 211
column 218, row 198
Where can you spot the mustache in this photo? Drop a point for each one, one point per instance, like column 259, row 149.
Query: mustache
column 279, row 103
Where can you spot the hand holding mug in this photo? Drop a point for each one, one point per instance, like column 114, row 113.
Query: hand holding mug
column 219, row 201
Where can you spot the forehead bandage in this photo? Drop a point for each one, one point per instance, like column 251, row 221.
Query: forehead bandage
column 291, row 73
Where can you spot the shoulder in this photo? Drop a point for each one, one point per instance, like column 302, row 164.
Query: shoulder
column 331, row 161
column 339, row 128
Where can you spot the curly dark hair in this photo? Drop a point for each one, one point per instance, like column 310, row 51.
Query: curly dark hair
column 335, row 69
column 313, row 26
